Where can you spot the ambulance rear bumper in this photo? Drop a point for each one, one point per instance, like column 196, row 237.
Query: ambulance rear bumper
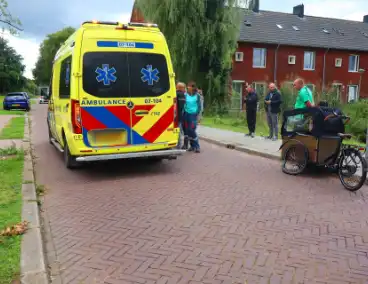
column 165, row 154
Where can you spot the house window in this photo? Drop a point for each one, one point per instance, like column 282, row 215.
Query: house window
column 310, row 87
column 237, row 98
column 291, row 59
column 260, row 88
column 338, row 62
column 65, row 76
column 352, row 93
column 353, row 63
column 237, row 87
column 337, row 88
column 309, row 60
column 259, row 57
column 239, row 56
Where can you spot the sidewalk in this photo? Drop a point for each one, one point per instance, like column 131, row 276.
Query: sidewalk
column 235, row 140
column 238, row 141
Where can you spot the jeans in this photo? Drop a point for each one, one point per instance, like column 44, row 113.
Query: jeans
column 190, row 127
column 273, row 124
column 251, row 119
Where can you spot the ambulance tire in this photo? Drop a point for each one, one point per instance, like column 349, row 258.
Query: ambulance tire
column 69, row 160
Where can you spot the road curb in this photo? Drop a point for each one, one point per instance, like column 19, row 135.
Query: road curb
column 244, row 149
column 32, row 258
column 233, row 146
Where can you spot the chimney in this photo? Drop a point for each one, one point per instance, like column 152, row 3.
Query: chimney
column 299, row 10
column 365, row 19
column 255, row 6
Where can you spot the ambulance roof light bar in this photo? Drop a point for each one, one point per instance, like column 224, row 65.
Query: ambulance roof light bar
column 102, row 23
column 146, row 25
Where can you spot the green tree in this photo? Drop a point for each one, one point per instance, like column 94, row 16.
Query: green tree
column 48, row 49
column 202, row 37
column 11, row 68
column 7, row 20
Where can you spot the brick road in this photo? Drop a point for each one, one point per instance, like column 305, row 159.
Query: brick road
column 218, row 217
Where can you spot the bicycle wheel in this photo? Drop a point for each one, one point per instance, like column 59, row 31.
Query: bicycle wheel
column 295, row 159
column 352, row 169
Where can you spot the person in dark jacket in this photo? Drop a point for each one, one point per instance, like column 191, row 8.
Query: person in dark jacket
column 251, row 102
column 273, row 103
column 180, row 100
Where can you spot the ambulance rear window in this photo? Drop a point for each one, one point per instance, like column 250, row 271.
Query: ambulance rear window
column 119, row 74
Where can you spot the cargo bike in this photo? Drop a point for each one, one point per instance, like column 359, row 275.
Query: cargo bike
column 313, row 137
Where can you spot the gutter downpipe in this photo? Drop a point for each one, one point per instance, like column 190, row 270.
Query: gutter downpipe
column 275, row 69
column 324, row 69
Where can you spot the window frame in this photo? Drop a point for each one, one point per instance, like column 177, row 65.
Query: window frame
column 294, row 59
column 338, row 94
column 62, row 77
column 340, row 60
column 313, row 86
column 356, row 63
column 265, row 57
column 314, row 61
column 241, row 82
column 241, row 59
column 356, row 93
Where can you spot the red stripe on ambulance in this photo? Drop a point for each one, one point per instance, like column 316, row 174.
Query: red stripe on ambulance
column 121, row 112
column 89, row 122
column 160, row 126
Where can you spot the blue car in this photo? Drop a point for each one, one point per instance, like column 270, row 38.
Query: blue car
column 17, row 100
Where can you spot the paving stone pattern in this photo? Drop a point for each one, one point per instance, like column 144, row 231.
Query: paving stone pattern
column 221, row 216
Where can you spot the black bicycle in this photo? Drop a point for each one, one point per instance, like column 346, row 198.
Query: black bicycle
column 314, row 137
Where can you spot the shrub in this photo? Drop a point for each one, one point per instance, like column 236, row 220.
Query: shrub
column 358, row 112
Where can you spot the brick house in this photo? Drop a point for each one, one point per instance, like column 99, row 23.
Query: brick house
column 278, row 47
column 326, row 53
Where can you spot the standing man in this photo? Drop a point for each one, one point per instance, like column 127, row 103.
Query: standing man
column 273, row 103
column 251, row 101
column 305, row 96
column 180, row 100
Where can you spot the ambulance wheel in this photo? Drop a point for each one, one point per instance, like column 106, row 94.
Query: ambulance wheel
column 69, row 160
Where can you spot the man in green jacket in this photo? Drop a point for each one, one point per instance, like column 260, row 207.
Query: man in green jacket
column 305, row 96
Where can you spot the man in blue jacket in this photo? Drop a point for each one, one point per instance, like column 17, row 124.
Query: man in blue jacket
column 273, row 103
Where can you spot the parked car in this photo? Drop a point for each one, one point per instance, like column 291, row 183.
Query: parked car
column 44, row 100
column 17, row 100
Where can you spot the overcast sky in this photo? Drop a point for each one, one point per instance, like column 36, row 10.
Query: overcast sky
column 41, row 17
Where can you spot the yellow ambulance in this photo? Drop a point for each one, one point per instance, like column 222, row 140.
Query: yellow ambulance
column 112, row 95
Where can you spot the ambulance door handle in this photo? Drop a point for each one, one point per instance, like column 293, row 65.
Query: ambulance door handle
column 141, row 112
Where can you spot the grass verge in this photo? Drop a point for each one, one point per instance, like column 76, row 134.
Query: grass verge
column 12, row 112
column 14, row 129
column 235, row 124
column 11, row 171
column 240, row 125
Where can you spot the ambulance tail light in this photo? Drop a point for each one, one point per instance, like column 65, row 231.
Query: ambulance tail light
column 176, row 116
column 76, row 117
